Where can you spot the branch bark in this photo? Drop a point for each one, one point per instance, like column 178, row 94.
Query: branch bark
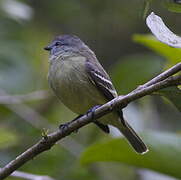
column 161, row 81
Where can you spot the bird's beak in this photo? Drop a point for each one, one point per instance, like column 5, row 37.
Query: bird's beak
column 48, row 48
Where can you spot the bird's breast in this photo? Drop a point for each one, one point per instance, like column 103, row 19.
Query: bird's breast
column 70, row 82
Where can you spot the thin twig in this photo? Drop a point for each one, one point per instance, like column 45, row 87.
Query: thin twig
column 176, row 68
column 173, row 70
column 120, row 102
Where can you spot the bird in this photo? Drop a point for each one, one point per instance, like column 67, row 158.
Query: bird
column 81, row 83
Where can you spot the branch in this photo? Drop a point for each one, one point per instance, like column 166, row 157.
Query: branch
column 120, row 102
column 173, row 70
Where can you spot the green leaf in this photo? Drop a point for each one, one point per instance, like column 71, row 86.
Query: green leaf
column 173, row 7
column 7, row 137
column 135, row 70
column 171, row 54
column 173, row 94
column 164, row 155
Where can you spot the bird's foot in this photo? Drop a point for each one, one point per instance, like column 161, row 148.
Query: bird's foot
column 63, row 127
column 92, row 110
column 105, row 128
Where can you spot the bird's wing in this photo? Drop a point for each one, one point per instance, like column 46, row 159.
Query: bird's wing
column 101, row 79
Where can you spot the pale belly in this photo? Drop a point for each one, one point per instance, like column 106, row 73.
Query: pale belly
column 73, row 87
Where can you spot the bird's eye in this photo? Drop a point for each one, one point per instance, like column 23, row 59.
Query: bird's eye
column 57, row 43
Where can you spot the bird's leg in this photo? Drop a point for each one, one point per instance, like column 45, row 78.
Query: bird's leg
column 65, row 125
column 120, row 112
column 105, row 128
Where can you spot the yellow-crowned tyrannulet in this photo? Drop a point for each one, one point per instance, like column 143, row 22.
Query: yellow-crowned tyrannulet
column 80, row 82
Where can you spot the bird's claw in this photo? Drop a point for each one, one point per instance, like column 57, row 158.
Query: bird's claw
column 92, row 110
column 64, row 126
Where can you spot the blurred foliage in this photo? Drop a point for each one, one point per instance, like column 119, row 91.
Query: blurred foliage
column 164, row 148
column 127, row 74
column 172, row 54
column 173, row 94
column 170, row 5
column 146, row 6
column 7, row 138
column 173, row 6
column 106, row 26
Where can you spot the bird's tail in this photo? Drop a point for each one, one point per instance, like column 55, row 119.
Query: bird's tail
column 132, row 137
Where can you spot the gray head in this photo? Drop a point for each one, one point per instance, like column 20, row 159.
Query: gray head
column 67, row 44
